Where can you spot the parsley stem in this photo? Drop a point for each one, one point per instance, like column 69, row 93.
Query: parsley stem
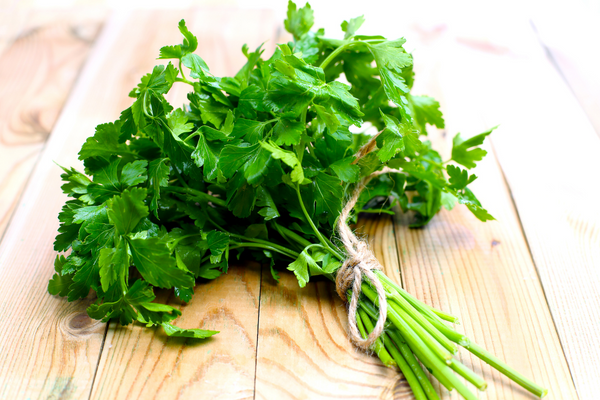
column 283, row 250
column 376, row 211
column 338, row 51
column 496, row 363
column 197, row 194
column 238, row 245
column 181, row 70
column 292, row 235
column 314, row 228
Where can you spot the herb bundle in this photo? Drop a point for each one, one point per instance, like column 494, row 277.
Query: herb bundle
column 262, row 163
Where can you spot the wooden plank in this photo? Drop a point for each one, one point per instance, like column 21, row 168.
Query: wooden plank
column 483, row 273
column 137, row 362
column 140, row 363
column 49, row 348
column 303, row 347
column 568, row 34
column 37, row 71
column 549, row 153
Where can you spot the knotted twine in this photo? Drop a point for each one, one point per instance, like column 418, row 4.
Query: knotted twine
column 361, row 260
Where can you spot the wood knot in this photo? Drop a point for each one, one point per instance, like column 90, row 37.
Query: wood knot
column 80, row 321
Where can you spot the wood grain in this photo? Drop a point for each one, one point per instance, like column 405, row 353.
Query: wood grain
column 303, row 346
column 568, row 34
column 142, row 363
column 482, row 273
column 38, row 68
column 549, row 155
column 138, row 363
column 49, row 348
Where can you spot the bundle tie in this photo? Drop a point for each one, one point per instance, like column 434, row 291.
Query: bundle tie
column 361, row 261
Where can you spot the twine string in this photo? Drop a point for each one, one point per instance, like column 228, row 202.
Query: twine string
column 361, row 261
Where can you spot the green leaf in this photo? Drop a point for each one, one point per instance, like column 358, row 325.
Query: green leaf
column 463, row 153
column 209, row 271
column 459, row 178
column 391, row 140
column 153, row 260
column 234, row 157
column 288, row 132
column 427, row 111
column 299, row 21
column 350, row 27
column 265, row 200
column 179, row 152
column 86, row 278
column 59, row 284
column 134, row 173
column 178, row 122
column 325, row 118
column 252, row 131
column 104, row 143
column 288, row 158
column 391, row 59
column 156, row 81
column 158, row 173
column 207, row 155
column 346, row 170
column 257, row 166
column 301, row 266
column 242, row 202
column 448, row 200
column 328, row 194
column 468, row 198
column 127, row 210
column 218, row 242
column 198, row 67
column 114, row 264
column 85, row 214
column 172, row 330
column 190, row 44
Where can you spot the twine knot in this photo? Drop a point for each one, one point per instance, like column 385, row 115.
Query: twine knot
column 361, row 261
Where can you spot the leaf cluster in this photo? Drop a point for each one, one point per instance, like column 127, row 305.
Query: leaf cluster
column 261, row 162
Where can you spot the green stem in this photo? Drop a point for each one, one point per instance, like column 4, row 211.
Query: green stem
column 397, row 300
column 283, row 231
column 440, row 369
column 413, row 300
column 192, row 135
column 184, row 81
column 281, row 249
column 437, row 164
column 408, row 373
column 363, row 321
column 495, row 362
column 376, row 211
column 238, row 245
column 427, row 338
column 314, row 228
column 414, row 364
column 469, row 375
column 197, row 194
column 336, row 52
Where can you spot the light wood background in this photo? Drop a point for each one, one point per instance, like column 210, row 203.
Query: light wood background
column 526, row 286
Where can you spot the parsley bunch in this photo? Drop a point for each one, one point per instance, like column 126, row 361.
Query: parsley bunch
column 261, row 163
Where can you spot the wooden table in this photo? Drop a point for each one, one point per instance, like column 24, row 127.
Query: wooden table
column 524, row 286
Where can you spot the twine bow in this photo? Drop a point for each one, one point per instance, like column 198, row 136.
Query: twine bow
column 361, row 261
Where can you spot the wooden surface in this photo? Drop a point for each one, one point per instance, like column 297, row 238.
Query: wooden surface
column 525, row 286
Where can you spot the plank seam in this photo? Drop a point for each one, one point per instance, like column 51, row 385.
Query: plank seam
column 537, row 272
column 550, row 56
column 257, row 331
column 99, row 358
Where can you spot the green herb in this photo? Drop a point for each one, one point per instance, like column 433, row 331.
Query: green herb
column 261, row 163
